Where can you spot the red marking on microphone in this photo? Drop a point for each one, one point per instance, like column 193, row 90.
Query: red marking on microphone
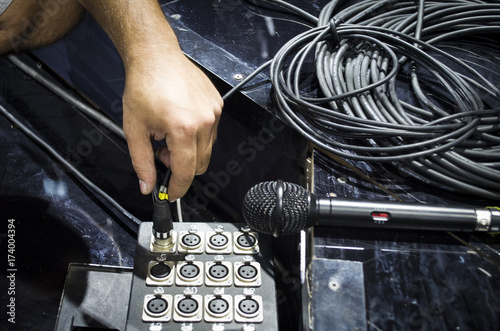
column 380, row 216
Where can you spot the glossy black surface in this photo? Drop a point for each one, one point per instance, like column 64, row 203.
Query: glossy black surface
column 421, row 281
column 89, row 146
column 252, row 31
column 57, row 221
column 250, row 139
column 413, row 280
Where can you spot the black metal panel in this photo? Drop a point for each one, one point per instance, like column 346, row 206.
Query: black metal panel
column 265, row 288
column 412, row 280
column 420, row 281
column 56, row 220
column 95, row 297
column 251, row 140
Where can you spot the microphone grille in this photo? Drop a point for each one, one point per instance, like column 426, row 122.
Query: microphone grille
column 260, row 208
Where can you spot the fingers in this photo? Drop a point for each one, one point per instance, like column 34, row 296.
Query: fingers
column 188, row 153
column 181, row 175
column 142, row 157
column 205, row 142
column 164, row 155
column 183, row 108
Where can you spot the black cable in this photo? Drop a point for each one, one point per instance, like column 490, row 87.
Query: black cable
column 294, row 9
column 28, row 132
column 67, row 96
column 166, row 180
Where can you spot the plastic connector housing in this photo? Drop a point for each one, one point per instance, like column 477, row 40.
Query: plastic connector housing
column 245, row 242
column 218, row 273
column 160, row 276
column 157, row 308
column 189, row 273
column 218, row 308
column 247, row 274
column 219, row 242
column 191, row 242
column 248, row 308
column 188, row 308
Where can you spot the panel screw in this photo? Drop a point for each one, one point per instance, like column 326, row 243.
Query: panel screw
column 334, row 285
column 238, row 77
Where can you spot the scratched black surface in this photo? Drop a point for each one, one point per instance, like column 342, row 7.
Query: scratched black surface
column 420, row 281
column 429, row 281
column 251, row 30
column 413, row 280
column 57, row 221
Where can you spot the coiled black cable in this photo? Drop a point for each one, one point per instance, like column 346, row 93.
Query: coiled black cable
column 392, row 91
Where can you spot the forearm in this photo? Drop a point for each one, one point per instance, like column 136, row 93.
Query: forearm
column 137, row 28
column 28, row 24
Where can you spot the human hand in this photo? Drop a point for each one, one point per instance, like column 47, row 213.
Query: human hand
column 168, row 97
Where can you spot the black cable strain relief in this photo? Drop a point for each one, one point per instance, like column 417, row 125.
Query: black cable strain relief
column 333, row 29
column 162, row 216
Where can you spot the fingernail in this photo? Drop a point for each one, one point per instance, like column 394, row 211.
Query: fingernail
column 143, row 187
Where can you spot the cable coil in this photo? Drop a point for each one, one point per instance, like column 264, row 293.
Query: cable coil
column 401, row 82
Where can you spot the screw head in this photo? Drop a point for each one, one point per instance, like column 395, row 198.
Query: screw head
column 238, row 77
column 334, row 285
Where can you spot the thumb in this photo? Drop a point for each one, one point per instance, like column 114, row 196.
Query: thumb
column 141, row 153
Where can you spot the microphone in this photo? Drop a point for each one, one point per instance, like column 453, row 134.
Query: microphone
column 281, row 208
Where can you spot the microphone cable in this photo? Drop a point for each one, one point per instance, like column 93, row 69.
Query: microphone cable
column 402, row 82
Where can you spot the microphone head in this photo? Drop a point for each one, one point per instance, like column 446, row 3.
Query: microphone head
column 277, row 208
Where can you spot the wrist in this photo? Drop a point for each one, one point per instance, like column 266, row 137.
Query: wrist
column 152, row 56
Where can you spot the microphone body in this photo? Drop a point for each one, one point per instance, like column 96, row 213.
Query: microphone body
column 389, row 215
column 280, row 208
